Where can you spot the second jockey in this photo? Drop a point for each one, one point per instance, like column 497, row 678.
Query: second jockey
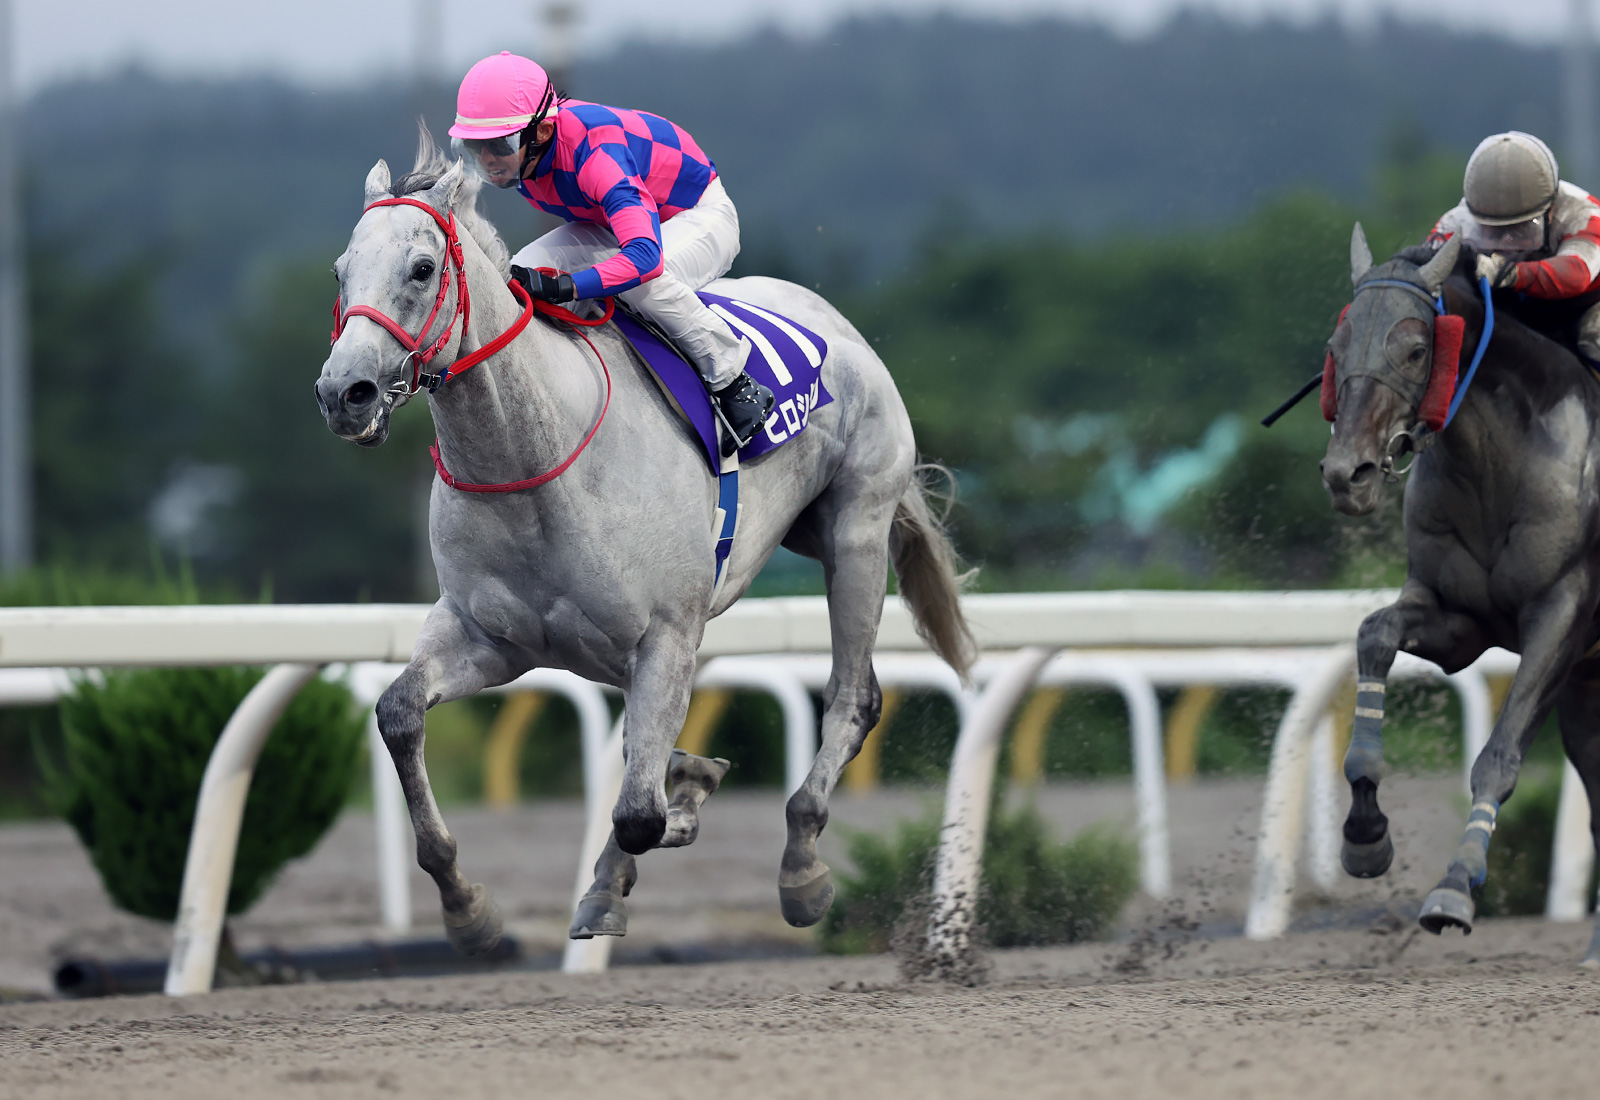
column 648, row 219
column 1533, row 231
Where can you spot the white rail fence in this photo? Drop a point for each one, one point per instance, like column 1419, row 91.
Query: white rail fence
column 1298, row 641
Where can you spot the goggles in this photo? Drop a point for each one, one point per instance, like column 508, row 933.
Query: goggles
column 1518, row 237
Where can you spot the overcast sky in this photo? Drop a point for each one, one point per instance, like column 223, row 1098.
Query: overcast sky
column 327, row 42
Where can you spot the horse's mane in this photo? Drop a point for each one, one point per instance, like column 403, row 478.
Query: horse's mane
column 430, row 165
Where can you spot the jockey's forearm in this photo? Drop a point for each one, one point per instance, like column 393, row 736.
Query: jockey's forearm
column 638, row 262
column 1564, row 276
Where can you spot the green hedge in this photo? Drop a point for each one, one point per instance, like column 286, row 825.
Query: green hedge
column 1034, row 890
column 134, row 750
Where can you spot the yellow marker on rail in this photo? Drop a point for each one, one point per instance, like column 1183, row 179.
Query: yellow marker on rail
column 706, row 708
column 502, row 784
column 1183, row 730
column 1029, row 737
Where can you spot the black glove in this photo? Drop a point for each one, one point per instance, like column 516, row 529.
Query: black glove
column 545, row 288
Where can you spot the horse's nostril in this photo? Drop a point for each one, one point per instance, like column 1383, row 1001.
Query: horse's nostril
column 361, row 394
column 1363, row 472
column 321, row 404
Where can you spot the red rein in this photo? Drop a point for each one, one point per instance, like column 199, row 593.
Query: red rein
column 420, row 356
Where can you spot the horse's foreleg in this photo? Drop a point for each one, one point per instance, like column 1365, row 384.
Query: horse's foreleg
column 1552, row 640
column 856, row 561
column 1415, row 624
column 657, row 702
column 448, row 663
column 602, row 911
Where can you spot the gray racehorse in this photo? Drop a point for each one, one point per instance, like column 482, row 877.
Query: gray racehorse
column 608, row 570
column 1502, row 526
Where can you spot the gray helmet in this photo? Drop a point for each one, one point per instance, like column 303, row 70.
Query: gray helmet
column 1511, row 178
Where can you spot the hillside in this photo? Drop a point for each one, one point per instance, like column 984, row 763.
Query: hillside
column 844, row 153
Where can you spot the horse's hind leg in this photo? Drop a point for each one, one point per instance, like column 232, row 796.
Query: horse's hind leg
column 1552, row 642
column 1578, row 710
column 852, row 540
column 694, row 779
column 1413, row 623
column 450, row 662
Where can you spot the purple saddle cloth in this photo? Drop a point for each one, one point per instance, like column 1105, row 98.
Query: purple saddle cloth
column 785, row 357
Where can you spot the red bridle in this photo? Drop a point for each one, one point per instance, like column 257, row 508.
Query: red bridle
column 420, row 356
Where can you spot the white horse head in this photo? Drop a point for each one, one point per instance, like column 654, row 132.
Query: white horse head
column 394, row 265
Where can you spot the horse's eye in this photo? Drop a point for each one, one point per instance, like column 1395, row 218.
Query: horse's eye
column 423, row 271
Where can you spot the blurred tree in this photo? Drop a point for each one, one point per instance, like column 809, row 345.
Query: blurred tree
column 116, row 405
column 324, row 519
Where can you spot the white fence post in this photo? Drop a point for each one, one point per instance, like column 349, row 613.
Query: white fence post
column 966, row 807
column 208, row 871
column 1283, row 805
column 1149, row 776
column 1323, row 809
column 1477, row 718
column 1572, row 854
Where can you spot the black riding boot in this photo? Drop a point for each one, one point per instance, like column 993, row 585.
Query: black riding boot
column 745, row 405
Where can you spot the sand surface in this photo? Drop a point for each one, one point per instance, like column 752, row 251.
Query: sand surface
column 1354, row 1013
column 1366, row 1007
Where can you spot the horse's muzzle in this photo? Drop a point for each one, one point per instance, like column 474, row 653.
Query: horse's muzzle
column 357, row 411
column 1353, row 485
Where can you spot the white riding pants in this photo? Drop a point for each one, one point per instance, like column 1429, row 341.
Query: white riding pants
column 698, row 247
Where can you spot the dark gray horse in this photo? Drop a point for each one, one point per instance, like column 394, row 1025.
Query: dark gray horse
column 1502, row 524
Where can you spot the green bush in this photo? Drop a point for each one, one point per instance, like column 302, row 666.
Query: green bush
column 1034, row 891
column 133, row 752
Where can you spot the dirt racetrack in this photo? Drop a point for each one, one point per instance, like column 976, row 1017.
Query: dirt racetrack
column 1375, row 1013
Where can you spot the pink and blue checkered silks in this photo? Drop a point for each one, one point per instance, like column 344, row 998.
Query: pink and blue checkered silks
column 626, row 170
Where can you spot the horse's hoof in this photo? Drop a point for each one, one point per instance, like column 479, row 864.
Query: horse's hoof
column 1367, row 860
column 804, row 905
column 682, row 828
column 1591, row 962
column 1447, row 908
column 599, row 914
column 477, row 930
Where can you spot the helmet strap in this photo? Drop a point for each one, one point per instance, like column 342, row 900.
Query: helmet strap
column 532, row 149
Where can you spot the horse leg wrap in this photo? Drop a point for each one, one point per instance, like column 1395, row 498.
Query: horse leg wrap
column 694, row 779
column 1472, row 855
column 1364, row 760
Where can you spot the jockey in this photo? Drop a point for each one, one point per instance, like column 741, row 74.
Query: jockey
column 648, row 219
column 1533, row 232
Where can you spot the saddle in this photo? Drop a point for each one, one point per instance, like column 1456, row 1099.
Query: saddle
column 784, row 356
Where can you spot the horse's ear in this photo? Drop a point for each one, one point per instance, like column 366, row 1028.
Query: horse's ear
column 442, row 196
column 378, row 182
column 1360, row 255
column 1438, row 269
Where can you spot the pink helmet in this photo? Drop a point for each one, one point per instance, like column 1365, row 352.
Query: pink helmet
column 500, row 95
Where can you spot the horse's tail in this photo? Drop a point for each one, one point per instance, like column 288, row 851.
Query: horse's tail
column 929, row 572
